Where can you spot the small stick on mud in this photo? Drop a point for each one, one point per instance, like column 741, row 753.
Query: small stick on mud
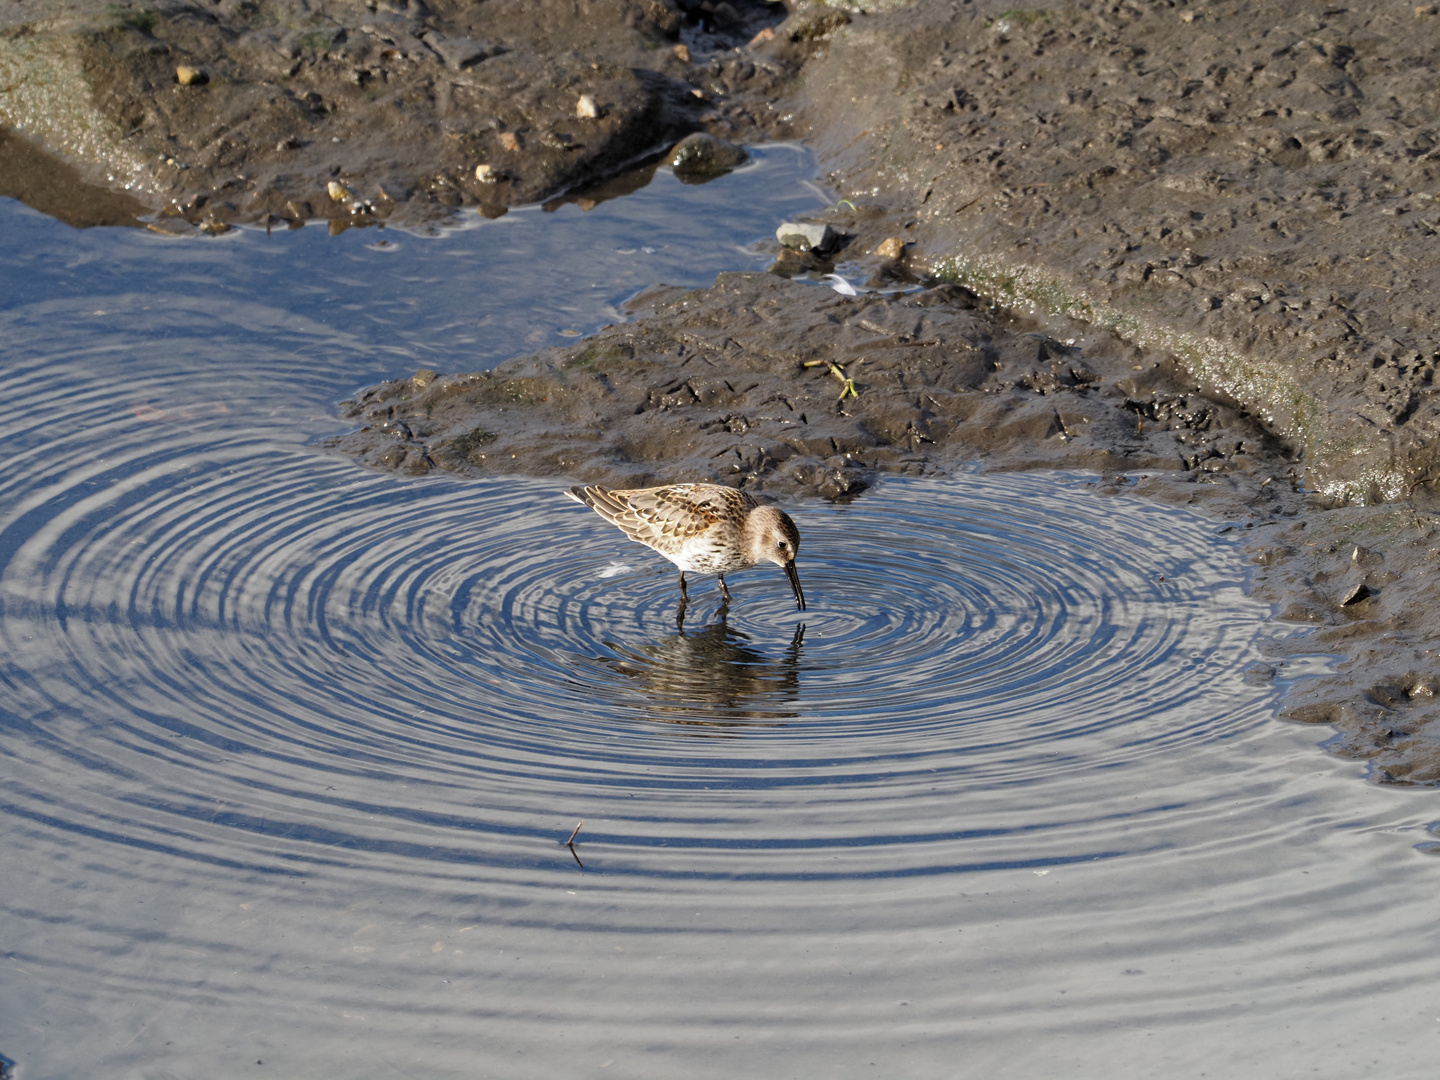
column 847, row 385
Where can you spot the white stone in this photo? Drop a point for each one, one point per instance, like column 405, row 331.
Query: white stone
column 805, row 237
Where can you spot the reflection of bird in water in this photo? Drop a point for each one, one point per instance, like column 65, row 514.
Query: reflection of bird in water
column 713, row 678
column 707, row 528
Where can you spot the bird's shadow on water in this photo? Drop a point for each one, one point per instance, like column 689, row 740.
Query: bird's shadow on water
column 710, row 681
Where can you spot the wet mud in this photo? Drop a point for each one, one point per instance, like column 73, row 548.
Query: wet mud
column 1251, row 190
column 1188, row 246
column 240, row 110
column 55, row 188
column 1368, row 580
column 794, row 389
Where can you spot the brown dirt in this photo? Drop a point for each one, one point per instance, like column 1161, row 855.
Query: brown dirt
column 398, row 102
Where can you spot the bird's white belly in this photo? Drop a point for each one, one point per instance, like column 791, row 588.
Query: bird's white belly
column 708, row 555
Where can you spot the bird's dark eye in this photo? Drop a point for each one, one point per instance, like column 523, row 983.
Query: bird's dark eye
column 782, row 545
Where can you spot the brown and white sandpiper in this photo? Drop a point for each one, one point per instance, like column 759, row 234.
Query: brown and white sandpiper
column 707, row 528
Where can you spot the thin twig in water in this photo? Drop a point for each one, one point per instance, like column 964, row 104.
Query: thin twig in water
column 571, row 841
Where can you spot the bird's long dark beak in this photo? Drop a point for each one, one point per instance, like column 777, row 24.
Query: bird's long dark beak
column 794, row 576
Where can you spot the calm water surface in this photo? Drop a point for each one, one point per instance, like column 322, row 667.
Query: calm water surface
column 290, row 749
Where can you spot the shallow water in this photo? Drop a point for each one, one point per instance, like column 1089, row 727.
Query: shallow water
column 291, row 749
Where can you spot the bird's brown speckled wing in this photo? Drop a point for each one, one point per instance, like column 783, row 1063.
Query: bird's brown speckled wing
column 665, row 517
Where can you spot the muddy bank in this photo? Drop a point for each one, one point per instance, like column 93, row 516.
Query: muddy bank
column 1253, row 190
column 773, row 385
column 359, row 111
column 1368, row 579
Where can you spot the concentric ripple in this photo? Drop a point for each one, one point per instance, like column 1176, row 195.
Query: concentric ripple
column 428, row 672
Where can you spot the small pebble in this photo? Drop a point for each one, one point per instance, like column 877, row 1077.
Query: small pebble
column 891, row 249
column 587, row 108
column 189, row 76
column 338, row 191
column 1355, row 595
column 510, row 141
column 682, row 53
column 1363, row 556
column 485, row 174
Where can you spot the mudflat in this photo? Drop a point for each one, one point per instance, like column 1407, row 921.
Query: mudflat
column 1191, row 246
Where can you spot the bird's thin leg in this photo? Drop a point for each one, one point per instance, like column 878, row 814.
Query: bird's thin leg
column 683, row 594
column 724, row 591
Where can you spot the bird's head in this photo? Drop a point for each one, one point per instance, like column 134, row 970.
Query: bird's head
column 772, row 537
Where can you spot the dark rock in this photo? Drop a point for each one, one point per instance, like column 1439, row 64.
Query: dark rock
column 702, row 156
column 1355, row 595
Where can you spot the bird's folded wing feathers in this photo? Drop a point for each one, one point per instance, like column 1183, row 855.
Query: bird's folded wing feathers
column 678, row 512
